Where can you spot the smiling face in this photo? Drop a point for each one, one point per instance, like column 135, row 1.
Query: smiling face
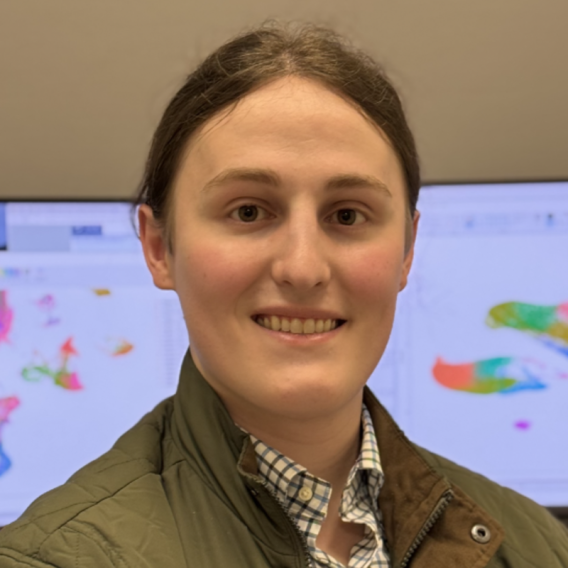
column 289, row 213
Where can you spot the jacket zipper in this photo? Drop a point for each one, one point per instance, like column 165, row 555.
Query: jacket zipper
column 436, row 514
column 307, row 554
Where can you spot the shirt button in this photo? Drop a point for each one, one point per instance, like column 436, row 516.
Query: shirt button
column 481, row 534
column 305, row 494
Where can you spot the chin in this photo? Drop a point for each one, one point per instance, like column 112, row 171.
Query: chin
column 310, row 397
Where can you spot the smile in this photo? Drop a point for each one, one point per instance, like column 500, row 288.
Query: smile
column 297, row 325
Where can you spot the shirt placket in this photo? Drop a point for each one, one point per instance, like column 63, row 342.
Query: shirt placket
column 306, row 498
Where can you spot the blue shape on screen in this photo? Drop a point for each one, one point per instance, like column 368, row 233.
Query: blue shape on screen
column 5, row 462
column 87, row 230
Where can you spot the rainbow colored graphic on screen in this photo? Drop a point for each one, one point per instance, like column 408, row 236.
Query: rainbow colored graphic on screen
column 7, row 405
column 6, row 317
column 549, row 324
column 60, row 374
column 504, row 375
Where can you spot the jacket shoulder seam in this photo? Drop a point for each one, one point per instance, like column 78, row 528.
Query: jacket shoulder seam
column 65, row 524
column 89, row 503
column 24, row 560
column 98, row 542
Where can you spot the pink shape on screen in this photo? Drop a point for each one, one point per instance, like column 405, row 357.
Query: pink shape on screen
column 69, row 381
column 523, row 424
column 68, row 349
column 6, row 317
column 6, row 406
column 46, row 302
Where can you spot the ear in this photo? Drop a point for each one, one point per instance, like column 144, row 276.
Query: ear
column 156, row 251
column 409, row 256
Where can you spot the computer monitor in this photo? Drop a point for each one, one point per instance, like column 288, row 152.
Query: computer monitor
column 88, row 345
column 477, row 365
column 476, row 368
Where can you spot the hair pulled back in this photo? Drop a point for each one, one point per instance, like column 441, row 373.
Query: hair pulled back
column 254, row 59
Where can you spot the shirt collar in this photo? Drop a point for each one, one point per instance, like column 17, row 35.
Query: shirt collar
column 281, row 473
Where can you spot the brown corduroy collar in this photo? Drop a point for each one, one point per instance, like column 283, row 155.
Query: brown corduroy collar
column 425, row 517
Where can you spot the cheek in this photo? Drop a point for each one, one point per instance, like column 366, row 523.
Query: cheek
column 208, row 277
column 373, row 277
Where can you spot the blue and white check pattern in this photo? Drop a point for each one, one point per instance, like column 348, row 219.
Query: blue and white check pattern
column 291, row 482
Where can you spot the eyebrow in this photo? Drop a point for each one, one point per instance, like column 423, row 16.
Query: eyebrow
column 271, row 178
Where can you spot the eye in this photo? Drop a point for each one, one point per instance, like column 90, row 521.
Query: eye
column 248, row 213
column 349, row 217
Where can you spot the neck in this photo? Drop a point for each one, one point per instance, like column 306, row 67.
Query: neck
column 327, row 446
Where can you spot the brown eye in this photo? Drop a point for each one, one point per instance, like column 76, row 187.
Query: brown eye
column 347, row 216
column 248, row 213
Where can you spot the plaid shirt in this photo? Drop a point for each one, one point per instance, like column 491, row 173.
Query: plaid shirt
column 306, row 499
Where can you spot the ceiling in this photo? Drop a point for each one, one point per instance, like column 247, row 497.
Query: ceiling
column 83, row 84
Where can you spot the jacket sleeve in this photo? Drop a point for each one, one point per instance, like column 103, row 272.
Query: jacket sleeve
column 65, row 548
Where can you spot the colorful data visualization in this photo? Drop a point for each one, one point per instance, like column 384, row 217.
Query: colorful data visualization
column 7, row 405
column 549, row 324
column 505, row 375
column 80, row 364
column 60, row 373
column 49, row 342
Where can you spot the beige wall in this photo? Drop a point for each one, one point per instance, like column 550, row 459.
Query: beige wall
column 83, row 83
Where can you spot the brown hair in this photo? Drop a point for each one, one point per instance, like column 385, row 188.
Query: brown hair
column 254, row 59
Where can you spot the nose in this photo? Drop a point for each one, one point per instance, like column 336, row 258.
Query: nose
column 301, row 257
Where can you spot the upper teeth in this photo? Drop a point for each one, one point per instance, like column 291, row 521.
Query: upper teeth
column 296, row 325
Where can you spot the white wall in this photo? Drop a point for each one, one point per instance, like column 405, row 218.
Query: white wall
column 82, row 84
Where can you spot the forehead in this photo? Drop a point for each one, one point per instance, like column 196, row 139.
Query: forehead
column 296, row 126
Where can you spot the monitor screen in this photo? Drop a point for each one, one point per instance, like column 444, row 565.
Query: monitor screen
column 477, row 365
column 88, row 345
column 476, row 368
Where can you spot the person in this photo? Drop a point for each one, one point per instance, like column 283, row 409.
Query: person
column 279, row 202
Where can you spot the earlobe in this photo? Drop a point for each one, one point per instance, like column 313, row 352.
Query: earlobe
column 409, row 257
column 155, row 248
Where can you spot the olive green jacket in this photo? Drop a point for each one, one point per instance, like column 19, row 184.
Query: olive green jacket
column 180, row 489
